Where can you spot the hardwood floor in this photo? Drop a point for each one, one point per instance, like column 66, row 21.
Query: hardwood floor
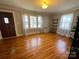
column 40, row 46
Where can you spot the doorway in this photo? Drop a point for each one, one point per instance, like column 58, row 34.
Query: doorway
column 7, row 26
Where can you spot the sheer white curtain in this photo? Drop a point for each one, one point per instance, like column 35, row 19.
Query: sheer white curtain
column 65, row 24
column 33, row 21
column 25, row 23
column 32, row 24
column 40, row 22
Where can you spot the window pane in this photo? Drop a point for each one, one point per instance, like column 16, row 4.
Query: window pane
column 6, row 20
column 65, row 22
column 33, row 21
column 61, row 25
column 39, row 21
column 26, row 22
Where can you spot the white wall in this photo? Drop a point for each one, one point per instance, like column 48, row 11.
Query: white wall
column 46, row 23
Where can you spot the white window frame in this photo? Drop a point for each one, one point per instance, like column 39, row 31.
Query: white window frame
column 29, row 22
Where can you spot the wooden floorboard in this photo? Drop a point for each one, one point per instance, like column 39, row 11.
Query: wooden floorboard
column 39, row 46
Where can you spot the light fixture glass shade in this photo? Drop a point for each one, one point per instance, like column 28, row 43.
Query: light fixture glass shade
column 44, row 5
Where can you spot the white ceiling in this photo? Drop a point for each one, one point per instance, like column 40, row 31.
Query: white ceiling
column 35, row 5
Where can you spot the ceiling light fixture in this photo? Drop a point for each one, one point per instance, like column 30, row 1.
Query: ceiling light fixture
column 44, row 5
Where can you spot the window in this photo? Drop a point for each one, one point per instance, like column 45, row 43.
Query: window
column 33, row 21
column 26, row 21
column 65, row 25
column 39, row 21
column 65, row 22
column 6, row 20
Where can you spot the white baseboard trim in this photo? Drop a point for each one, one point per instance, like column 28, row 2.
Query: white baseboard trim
column 32, row 33
column 19, row 35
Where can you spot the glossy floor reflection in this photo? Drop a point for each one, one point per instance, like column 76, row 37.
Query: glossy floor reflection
column 40, row 46
column 61, row 46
